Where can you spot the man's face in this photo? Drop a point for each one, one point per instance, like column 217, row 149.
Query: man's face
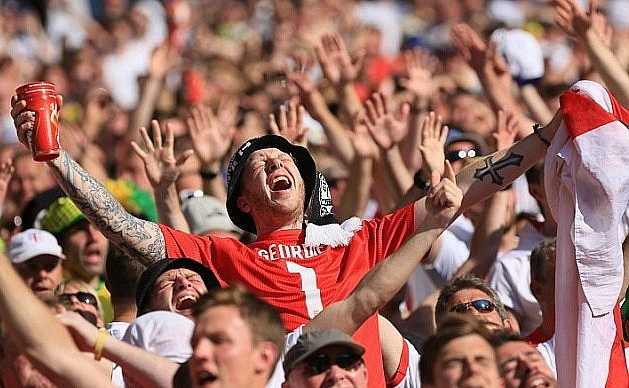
column 472, row 294
column 86, row 249
column 223, row 350
column 313, row 372
column 28, row 179
column 272, row 187
column 42, row 274
column 177, row 290
column 468, row 361
column 521, row 365
column 460, row 152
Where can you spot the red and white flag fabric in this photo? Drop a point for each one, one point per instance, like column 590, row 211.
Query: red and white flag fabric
column 587, row 186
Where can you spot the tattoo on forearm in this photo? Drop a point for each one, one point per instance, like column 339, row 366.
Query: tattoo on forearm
column 139, row 239
column 492, row 168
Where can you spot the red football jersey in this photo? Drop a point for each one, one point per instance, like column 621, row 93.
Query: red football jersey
column 299, row 281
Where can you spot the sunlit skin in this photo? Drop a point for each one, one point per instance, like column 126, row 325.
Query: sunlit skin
column 272, row 191
column 85, row 249
column 42, row 274
column 356, row 376
column 177, row 290
column 225, row 354
column 522, row 366
column 468, row 361
column 471, row 294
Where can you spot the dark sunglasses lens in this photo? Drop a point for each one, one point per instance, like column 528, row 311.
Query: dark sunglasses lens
column 318, row 364
column 460, row 308
column 84, row 297
column 483, row 306
column 346, row 360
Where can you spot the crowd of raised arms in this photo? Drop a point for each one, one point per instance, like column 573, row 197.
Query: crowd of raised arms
column 276, row 193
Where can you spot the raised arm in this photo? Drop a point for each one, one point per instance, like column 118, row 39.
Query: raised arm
column 143, row 368
column 163, row 169
column 383, row 281
column 573, row 20
column 44, row 341
column 483, row 177
column 140, row 239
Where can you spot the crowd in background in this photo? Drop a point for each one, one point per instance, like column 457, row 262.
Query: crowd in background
column 356, row 82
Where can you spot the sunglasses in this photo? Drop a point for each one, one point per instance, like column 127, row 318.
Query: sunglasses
column 83, row 297
column 483, row 306
column 322, row 362
column 454, row 156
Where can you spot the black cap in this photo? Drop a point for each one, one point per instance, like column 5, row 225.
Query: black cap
column 150, row 275
column 305, row 165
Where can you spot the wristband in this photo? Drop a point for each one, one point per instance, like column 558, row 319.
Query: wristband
column 536, row 128
column 99, row 344
column 208, row 175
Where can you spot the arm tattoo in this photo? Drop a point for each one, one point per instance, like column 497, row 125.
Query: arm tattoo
column 139, row 239
column 492, row 168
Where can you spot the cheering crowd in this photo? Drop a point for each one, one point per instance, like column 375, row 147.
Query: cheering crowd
column 317, row 193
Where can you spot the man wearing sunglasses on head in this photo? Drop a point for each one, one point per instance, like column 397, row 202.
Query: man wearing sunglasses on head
column 322, row 357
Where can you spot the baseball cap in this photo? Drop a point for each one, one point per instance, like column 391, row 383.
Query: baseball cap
column 61, row 215
column 207, row 213
column 150, row 275
column 305, row 165
column 523, row 54
column 310, row 342
column 33, row 242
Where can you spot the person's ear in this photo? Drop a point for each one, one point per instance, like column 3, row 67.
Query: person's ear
column 267, row 355
column 243, row 204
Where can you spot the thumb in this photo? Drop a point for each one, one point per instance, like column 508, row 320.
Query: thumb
column 449, row 171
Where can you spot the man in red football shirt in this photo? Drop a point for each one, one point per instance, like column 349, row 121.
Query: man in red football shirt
column 269, row 188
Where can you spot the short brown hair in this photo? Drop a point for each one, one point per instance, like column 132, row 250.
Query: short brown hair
column 466, row 282
column 263, row 320
column 453, row 326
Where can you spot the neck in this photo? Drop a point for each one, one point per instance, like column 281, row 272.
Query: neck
column 124, row 311
column 268, row 226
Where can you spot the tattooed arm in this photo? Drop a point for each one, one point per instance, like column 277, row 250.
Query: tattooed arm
column 140, row 239
column 485, row 176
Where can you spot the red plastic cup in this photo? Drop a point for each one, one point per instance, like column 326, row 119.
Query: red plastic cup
column 41, row 97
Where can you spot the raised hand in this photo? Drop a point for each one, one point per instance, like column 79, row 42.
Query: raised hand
column 211, row 134
column 24, row 120
column 163, row 59
column 420, row 66
column 160, row 164
column 83, row 332
column 290, row 124
column 386, row 128
column 444, row 198
column 6, row 172
column 506, row 130
column 361, row 139
column 433, row 139
column 336, row 63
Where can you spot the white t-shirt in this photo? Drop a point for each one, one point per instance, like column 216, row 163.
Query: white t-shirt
column 163, row 332
column 510, row 276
